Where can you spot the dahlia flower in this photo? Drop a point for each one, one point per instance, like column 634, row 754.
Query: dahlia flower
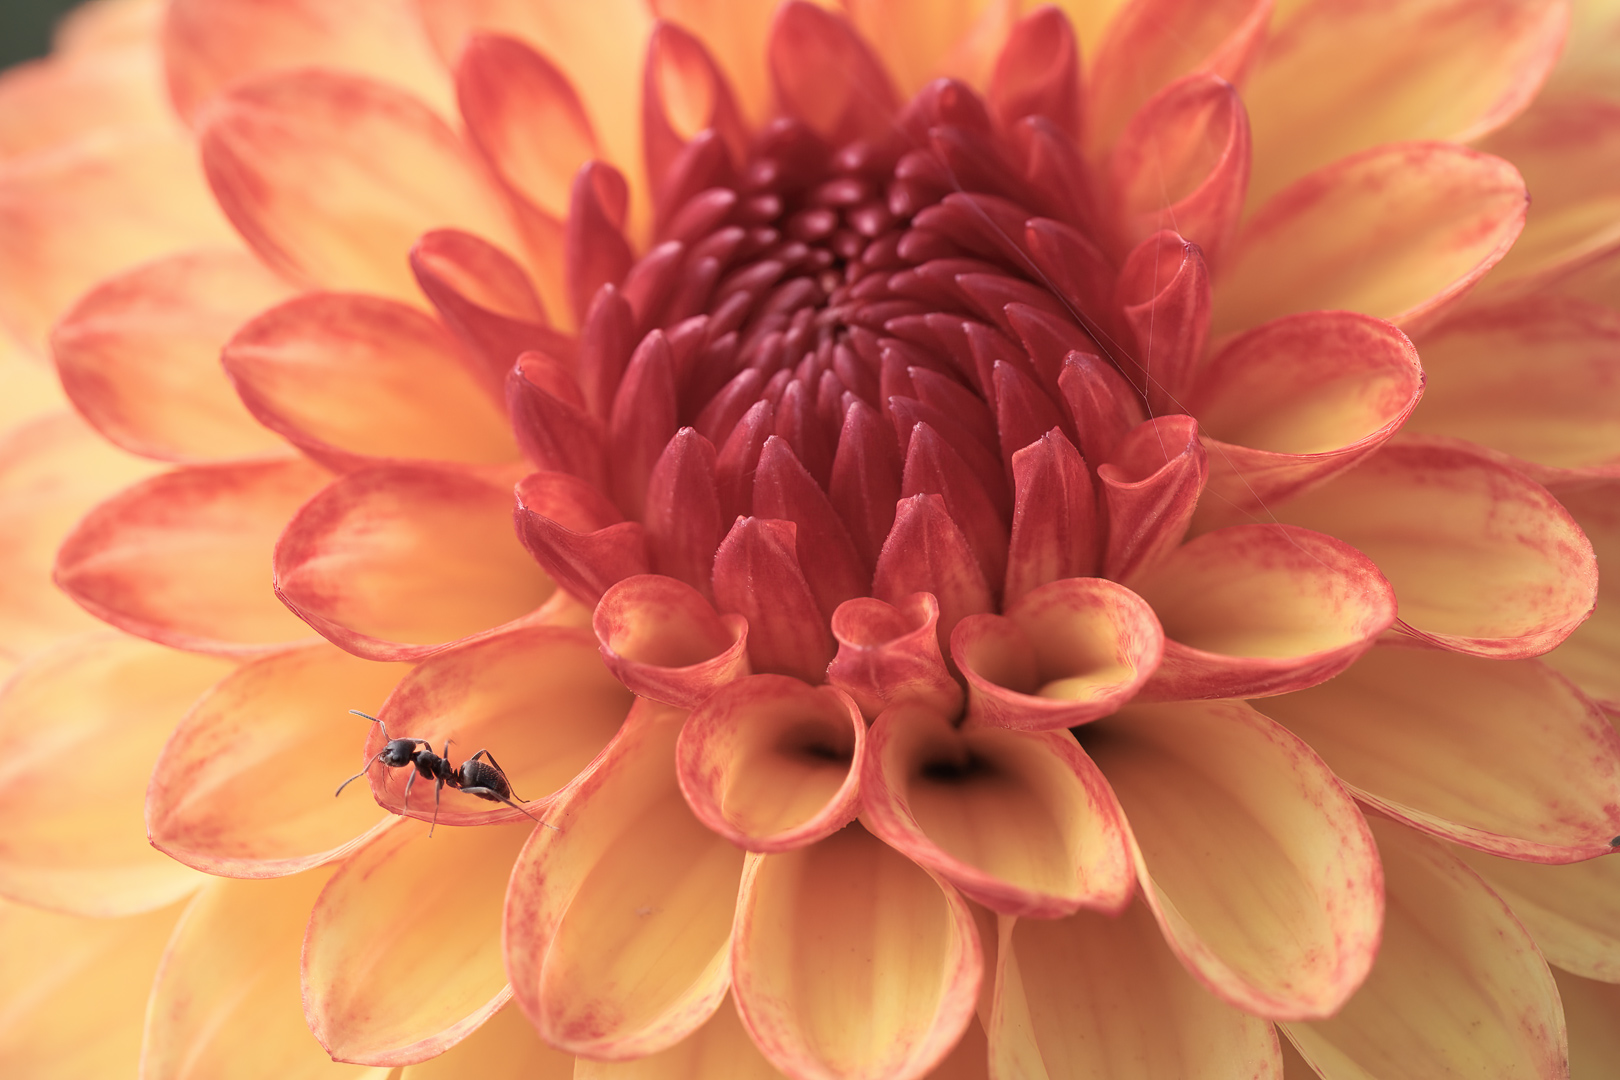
column 985, row 540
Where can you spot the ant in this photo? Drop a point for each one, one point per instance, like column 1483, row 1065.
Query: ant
column 485, row 780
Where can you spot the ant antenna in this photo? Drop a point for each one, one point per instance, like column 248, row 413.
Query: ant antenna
column 374, row 757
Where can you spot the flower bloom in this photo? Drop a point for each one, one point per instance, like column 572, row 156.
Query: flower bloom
column 1049, row 542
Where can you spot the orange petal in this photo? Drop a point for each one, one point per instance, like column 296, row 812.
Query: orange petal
column 332, row 177
column 83, row 723
column 1587, row 656
column 1343, row 76
column 1458, row 988
column 1396, row 232
column 76, row 214
column 664, row 641
column 1020, row 822
column 921, row 40
column 57, row 99
column 853, row 962
column 719, row 1050
column 179, row 559
column 139, row 356
column 1091, row 19
column 1504, row 756
column 734, row 32
column 1572, row 911
column 1097, row 997
column 618, row 922
column 505, row 1048
column 29, row 386
column 537, row 696
column 1530, row 378
column 1592, row 1011
column 208, row 45
column 397, row 562
column 242, row 789
column 402, row 957
column 772, row 763
column 1257, row 865
column 1251, row 610
column 347, row 377
column 1297, row 400
column 73, row 990
column 1067, row 652
column 1482, row 560
column 826, row 74
column 225, row 1001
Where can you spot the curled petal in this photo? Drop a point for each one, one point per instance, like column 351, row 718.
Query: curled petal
column 926, row 552
column 1164, row 292
column 1038, row 73
column 1257, row 865
column 1252, row 610
column 784, row 490
column 683, row 510
column 595, row 251
column 1482, row 559
column 1572, row 910
column 576, row 535
column 888, row 654
column 757, row 575
column 820, row 1009
column 642, row 421
column 1150, row 486
column 1066, row 653
column 550, row 421
column 1054, row 529
column 771, row 763
column 826, row 75
column 396, row 562
column 684, row 94
column 735, row 32
column 1022, row 823
column 663, row 640
column 1103, row 406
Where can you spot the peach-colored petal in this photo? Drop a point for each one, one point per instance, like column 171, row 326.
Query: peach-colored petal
column 1572, row 911
column 618, row 922
column 1482, row 559
column 772, row 763
column 852, row 962
column 719, row 1050
column 1066, row 653
column 180, row 559
column 83, row 723
column 1458, row 988
column 29, row 386
column 538, row 698
column 396, row 562
column 72, row 215
column 243, row 786
column 1504, row 756
column 890, row 653
column 1090, row 19
column 208, row 44
column 73, row 990
column 331, row 177
column 1297, row 400
column 1150, row 486
column 1092, row 998
column 1251, row 610
column 1020, row 822
column 1344, row 76
column 684, row 95
column 1396, row 232
column 139, row 356
column 347, row 377
column 665, row 641
column 1257, row 865
column 70, row 94
column 402, row 957
column 1592, row 1012
column 505, row 1048
column 1531, row 378
column 229, row 981
column 921, row 40
column 1587, row 656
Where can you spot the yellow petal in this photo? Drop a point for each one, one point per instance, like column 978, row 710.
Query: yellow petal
column 1257, row 865
column 28, row 385
column 225, row 1002
column 505, row 1048
column 1592, row 1011
column 1458, row 989
column 83, row 723
column 719, row 1050
column 1588, row 655
column 244, row 786
column 1091, row 997
column 1572, row 911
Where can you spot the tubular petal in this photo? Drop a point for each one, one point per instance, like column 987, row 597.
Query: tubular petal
column 506, row 1047
column 1396, row 232
column 83, row 721
column 1590, row 1009
column 1164, row 292
column 242, row 786
column 683, row 95
column 179, row 559
column 719, row 1050
column 396, row 562
column 1587, row 655
column 1020, row 822
column 402, row 957
column 1066, row 653
column 537, row 696
column 1298, row 400
column 1257, row 865
column 784, row 490
column 331, row 178
column 926, row 552
column 550, row 422
column 735, row 33
column 139, row 356
column 825, row 74
column 1483, row 560
column 576, row 535
column 771, row 763
column 1150, row 486
column 1054, row 527
column 1572, row 911
column 757, row 575
column 663, row 640
column 683, row 510
column 1038, row 73
column 888, row 654
column 1458, row 988
column 1503, row 756
column 852, row 962
column 1343, row 76
column 618, row 923
column 1091, row 998
column 1253, row 610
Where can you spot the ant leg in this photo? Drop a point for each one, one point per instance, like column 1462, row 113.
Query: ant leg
column 504, row 776
column 437, row 789
column 409, row 780
column 358, row 775
column 491, row 793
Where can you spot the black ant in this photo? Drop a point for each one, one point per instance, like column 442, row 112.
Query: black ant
column 485, row 780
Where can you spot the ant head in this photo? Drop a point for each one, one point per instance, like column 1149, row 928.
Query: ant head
column 399, row 752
